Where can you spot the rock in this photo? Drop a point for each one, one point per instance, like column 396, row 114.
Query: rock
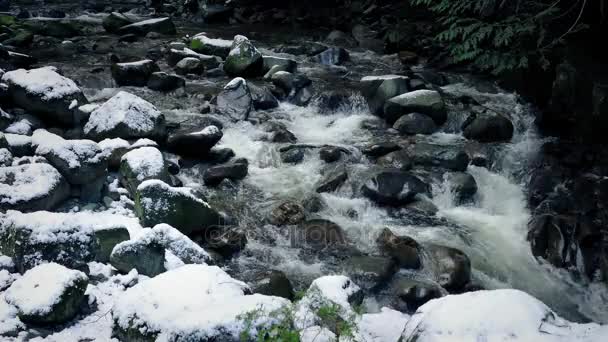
column 6, row 157
column 292, row 156
column 284, row 64
column 125, row 116
column 220, row 155
column 273, row 283
column 488, row 127
column 415, row 123
column 235, row 170
column 116, row 148
column 289, row 82
column 380, row 149
column 332, row 179
column 332, row 56
column 40, row 237
column 142, row 28
column 396, row 160
column 330, row 154
column 319, row 234
column 194, row 142
column 262, row 97
column 79, row 161
column 46, row 187
column 287, row 213
column 302, row 97
column 136, row 74
column 394, row 188
column 405, row 250
column 199, row 287
column 334, row 101
column 410, row 292
column 451, row 267
column 183, row 208
column 337, row 37
column 142, row 164
column 244, row 59
column 208, row 62
column 128, row 38
column 447, row 157
column 235, row 100
column 113, row 22
column 48, row 294
column 21, row 60
column 147, row 257
column 46, row 93
column 369, row 272
column 463, row 186
column 189, row 65
column 427, row 102
column 22, row 38
column 107, row 239
column 226, row 241
column 161, row 81
column 52, row 28
column 378, row 89
column 210, row 46
column 423, row 206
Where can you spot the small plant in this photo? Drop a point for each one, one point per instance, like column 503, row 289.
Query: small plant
column 280, row 331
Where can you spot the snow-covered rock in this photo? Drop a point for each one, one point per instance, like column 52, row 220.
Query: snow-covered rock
column 159, row 25
column 10, row 324
column 32, row 187
column 384, row 326
column 19, row 145
column 6, row 157
column 235, row 100
column 48, row 294
column 181, row 207
column 46, row 93
column 117, row 147
column 193, row 303
column 211, row 46
column 141, row 164
column 194, row 142
column 125, row 116
column 244, row 59
column 498, row 315
column 134, row 74
column 176, row 55
column 79, row 161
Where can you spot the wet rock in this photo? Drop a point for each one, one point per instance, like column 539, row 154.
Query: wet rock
column 332, row 179
column 128, row 38
column 302, row 97
column 273, row 283
column 210, row 46
column 290, row 82
column 451, row 267
column 547, row 240
column 148, row 258
column 463, row 186
column 427, row 102
column 307, row 48
column 226, row 241
column 393, row 188
column 369, row 272
column 332, row 56
column 183, row 208
column 262, row 97
column 235, row 100
column 330, row 154
column 52, row 28
column 161, row 81
column 488, row 127
column 107, row 239
column 142, row 28
column 142, row 164
column 55, row 103
column 113, row 22
column 194, row 142
column 49, row 187
column 134, row 74
column 189, row 65
column 244, row 59
column 208, row 62
column 415, row 123
column 447, row 157
column 319, row 234
column 409, row 292
column 125, row 116
column 287, row 213
column 396, row 160
column 284, row 64
column 292, row 156
column 380, row 149
column 378, row 89
column 405, row 250
column 423, row 206
column 220, row 155
column 333, row 101
column 235, row 170
column 48, row 294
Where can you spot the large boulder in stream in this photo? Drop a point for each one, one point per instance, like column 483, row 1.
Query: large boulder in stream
column 427, row 102
column 244, row 59
column 235, row 100
column 415, row 123
column 488, row 127
column 394, row 188
column 46, row 93
column 194, row 142
column 136, row 74
column 405, row 250
column 141, row 28
column 446, row 157
column 234, row 170
column 319, row 234
column 378, row 89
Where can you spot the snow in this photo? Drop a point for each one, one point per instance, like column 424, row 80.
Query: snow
column 88, row 108
column 32, row 181
column 212, row 41
column 382, row 78
column 6, row 279
column 236, row 45
column 45, row 82
column 193, row 302
column 423, row 96
column 9, row 322
column 384, row 326
column 110, row 145
column 144, row 142
column 135, row 64
column 183, row 191
column 497, row 315
column 73, row 152
column 73, row 104
column 18, row 139
column 236, row 82
column 317, row 334
column 6, row 157
column 209, row 130
column 23, row 126
column 148, row 22
column 124, row 108
column 41, row 288
column 145, row 162
column 6, row 262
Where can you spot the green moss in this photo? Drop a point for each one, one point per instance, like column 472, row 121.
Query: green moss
column 7, row 20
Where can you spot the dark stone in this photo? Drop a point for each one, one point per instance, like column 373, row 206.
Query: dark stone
column 488, row 127
column 447, row 157
column 396, row 160
column 287, row 213
column 113, row 22
column 134, row 74
column 142, row 28
column 394, row 188
column 147, row 259
column 409, row 293
column 463, row 186
column 369, row 272
column 427, row 102
column 285, row 64
column 235, row 170
column 330, row 154
column 227, row 241
column 107, row 239
column 332, row 56
column 273, row 283
column 415, row 123
column 161, row 81
column 451, row 267
column 262, row 97
column 405, row 250
column 378, row 89
column 332, row 179
column 380, row 149
column 235, row 100
column 318, row 234
column 248, row 62
column 293, row 156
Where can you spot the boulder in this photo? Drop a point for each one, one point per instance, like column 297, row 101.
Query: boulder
column 330, row 154
column 408, row 292
column 451, row 267
column 79, row 161
column 142, row 164
column 287, row 213
column 262, row 97
column 46, row 93
column 446, row 157
column 289, row 82
column 332, row 179
column 136, row 74
column 211, row 46
column 48, row 294
column 235, row 170
column 32, row 187
column 380, row 149
column 427, row 102
column 244, row 59
column 189, row 65
column 488, row 127
column 394, row 188
column 332, row 56
column 197, row 288
column 396, row 160
column 125, row 116
column 161, row 81
column 273, row 283
column 208, row 62
column 52, row 28
column 183, row 208
column 405, row 250
column 107, row 238
column 39, row 237
column 113, row 22
column 292, row 156
column 378, row 89
column 226, row 240
column 415, row 123
column 462, row 186
column 194, row 142
column 319, row 234
column 147, row 257
column 6, row 157
column 142, row 28
column 284, row 64
column 369, row 272
column 235, row 100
